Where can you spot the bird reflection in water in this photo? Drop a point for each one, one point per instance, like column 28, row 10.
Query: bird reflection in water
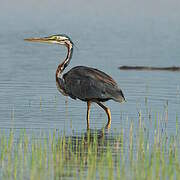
column 100, row 139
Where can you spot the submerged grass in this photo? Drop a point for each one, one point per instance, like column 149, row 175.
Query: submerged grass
column 136, row 154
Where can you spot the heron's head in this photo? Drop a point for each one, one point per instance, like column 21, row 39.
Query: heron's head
column 53, row 39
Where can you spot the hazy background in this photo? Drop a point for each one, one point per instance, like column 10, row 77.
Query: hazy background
column 148, row 30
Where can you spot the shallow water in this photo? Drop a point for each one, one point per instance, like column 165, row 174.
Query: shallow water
column 106, row 36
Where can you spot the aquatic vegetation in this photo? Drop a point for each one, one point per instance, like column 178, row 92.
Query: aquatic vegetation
column 136, row 154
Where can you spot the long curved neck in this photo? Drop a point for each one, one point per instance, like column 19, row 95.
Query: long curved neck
column 65, row 63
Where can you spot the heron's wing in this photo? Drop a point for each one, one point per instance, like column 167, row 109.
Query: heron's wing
column 88, row 83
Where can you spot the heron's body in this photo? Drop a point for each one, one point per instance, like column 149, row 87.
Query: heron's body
column 89, row 84
column 81, row 82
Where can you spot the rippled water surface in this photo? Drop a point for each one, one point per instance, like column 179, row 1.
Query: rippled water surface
column 107, row 35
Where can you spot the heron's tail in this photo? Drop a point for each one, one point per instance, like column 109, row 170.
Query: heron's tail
column 118, row 96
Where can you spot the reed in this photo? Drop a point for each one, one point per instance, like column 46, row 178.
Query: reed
column 136, row 154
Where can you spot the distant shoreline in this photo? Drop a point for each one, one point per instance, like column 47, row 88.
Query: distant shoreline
column 150, row 68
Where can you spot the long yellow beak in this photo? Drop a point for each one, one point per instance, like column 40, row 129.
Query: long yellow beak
column 44, row 39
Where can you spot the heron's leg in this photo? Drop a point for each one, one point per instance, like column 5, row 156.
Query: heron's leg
column 88, row 112
column 108, row 112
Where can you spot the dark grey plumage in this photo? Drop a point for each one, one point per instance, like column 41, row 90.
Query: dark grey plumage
column 86, row 83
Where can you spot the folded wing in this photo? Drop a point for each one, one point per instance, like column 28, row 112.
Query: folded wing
column 87, row 83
